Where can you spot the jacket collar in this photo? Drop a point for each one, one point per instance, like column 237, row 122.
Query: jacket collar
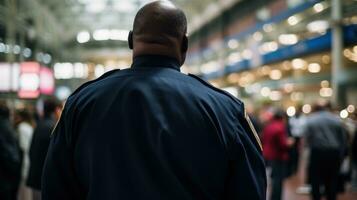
column 153, row 61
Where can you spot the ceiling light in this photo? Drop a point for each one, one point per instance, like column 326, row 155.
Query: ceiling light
column 269, row 47
column 293, row 20
column 314, row 67
column 344, row 114
column 298, row 63
column 26, row 52
column 319, row 7
column 288, row 39
column 233, row 44
column 121, row 35
column 257, row 36
column 351, row 108
column 319, row 26
column 326, row 92
column 268, row 28
column 306, row 108
column 275, row 74
column 324, row 84
column 101, row 34
column 265, row 91
column 291, row 111
column 83, row 37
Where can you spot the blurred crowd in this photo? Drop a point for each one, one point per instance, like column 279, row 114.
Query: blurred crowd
column 325, row 143
column 24, row 140
column 330, row 142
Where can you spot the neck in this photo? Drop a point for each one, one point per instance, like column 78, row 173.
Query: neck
column 156, row 49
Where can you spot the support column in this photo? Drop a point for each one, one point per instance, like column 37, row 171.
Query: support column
column 339, row 95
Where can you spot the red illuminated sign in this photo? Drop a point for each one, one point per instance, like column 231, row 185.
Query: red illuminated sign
column 29, row 81
column 47, row 81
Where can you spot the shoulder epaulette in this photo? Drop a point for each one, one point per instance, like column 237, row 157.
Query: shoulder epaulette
column 214, row 88
column 93, row 81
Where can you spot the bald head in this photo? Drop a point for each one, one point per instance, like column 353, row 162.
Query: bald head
column 160, row 28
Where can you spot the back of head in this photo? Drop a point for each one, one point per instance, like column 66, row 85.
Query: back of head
column 159, row 29
column 278, row 114
column 50, row 106
column 25, row 115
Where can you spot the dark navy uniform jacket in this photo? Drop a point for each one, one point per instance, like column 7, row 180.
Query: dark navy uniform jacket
column 152, row 132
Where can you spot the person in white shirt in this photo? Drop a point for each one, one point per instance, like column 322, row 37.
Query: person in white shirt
column 25, row 124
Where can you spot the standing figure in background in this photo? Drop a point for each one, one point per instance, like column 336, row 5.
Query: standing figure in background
column 296, row 125
column 10, row 157
column 24, row 125
column 326, row 138
column 276, row 146
column 40, row 142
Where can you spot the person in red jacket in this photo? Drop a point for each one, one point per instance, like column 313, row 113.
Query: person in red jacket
column 275, row 150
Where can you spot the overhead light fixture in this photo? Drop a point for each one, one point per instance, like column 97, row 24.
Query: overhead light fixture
column 233, row 44
column 351, row 108
column 268, row 28
column 291, row 111
column 344, row 114
column 326, row 92
column 265, row 91
column 319, row 7
column 268, row 47
column 306, row 108
column 325, row 84
column 121, row 35
column 258, row 36
column 293, row 20
column 275, row 74
column 288, row 39
column 83, row 37
column 318, row 26
column 101, row 34
column 298, row 63
column 314, row 67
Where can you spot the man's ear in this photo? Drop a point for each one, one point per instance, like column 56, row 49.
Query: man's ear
column 184, row 45
column 130, row 40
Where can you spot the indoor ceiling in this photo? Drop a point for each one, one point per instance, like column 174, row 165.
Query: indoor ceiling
column 55, row 24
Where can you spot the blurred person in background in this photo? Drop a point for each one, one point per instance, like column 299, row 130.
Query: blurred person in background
column 296, row 130
column 326, row 138
column 40, row 142
column 24, row 123
column 152, row 132
column 276, row 145
column 10, row 157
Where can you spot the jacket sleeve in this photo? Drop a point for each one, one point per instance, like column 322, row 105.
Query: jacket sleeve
column 59, row 180
column 246, row 176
